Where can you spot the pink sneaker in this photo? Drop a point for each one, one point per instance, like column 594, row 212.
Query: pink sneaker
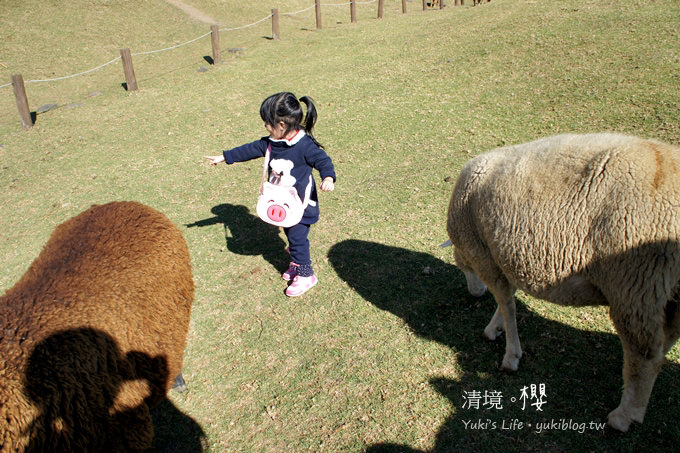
column 300, row 285
column 290, row 273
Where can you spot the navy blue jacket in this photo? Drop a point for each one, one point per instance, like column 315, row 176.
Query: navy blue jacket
column 293, row 161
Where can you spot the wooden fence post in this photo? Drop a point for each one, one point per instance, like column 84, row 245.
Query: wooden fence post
column 353, row 11
column 215, row 38
column 381, row 8
column 275, row 24
column 317, row 7
column 130, row 79
column 403, row 6
column 22, row 101
column 424, row 5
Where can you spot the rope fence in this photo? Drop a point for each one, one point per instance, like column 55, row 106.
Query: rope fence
column 18, row 83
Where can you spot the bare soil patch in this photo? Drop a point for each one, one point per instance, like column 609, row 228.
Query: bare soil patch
column 193, row 12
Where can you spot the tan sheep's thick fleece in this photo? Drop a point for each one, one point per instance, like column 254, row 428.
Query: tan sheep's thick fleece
column 571, row 207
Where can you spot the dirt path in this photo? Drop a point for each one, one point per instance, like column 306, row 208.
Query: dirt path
column 193, row 12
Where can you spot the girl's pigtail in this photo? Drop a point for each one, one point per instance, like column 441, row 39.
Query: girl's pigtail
column 310, row 118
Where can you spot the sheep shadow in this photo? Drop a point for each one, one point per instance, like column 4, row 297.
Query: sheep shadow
column 581, row 370
column 92, row 397
column 246, row 234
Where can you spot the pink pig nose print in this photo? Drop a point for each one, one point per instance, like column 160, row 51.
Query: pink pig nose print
column 276, row 213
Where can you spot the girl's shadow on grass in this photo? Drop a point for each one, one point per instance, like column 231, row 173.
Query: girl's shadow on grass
column 581, row 370
column 246, row 234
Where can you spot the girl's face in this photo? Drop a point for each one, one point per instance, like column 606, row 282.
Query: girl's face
column 277, row 132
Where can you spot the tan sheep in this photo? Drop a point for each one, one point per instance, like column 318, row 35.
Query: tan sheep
column 578, row 220
column 93, row 334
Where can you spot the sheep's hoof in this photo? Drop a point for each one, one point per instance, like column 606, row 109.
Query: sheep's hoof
column 619, row 420
column 510, row 363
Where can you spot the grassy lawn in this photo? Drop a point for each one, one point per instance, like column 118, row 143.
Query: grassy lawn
column 381, row 355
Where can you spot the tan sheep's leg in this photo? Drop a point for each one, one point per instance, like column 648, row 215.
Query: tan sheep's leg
column 513, row 349
column 639, row 375
column 495, row 326
column 505, row 318
column 671, row 338
column 643, row 344
column 672, row 327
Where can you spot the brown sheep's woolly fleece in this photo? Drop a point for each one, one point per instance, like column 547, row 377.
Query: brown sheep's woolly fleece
column 94, row 333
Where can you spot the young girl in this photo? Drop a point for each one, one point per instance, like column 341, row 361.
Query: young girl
column 292, row 147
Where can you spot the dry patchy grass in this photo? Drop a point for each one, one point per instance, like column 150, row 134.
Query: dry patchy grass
column 379, row 355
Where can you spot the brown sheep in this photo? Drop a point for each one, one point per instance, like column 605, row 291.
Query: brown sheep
column 578, row 220
column 94, row 333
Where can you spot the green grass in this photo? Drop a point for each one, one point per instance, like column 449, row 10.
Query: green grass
column 379, row 355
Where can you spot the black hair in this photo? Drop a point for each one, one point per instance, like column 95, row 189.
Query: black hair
column 286, row 107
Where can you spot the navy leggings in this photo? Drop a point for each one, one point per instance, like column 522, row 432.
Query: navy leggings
column 298, row 243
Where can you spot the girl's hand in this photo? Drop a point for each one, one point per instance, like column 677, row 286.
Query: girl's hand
column 327, row 185
column 214, row 160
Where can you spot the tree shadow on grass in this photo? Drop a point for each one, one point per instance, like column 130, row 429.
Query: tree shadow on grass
column 581, row 370
column 246, row 234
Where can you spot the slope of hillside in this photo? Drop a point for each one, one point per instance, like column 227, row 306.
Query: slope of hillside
column 379, row 356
